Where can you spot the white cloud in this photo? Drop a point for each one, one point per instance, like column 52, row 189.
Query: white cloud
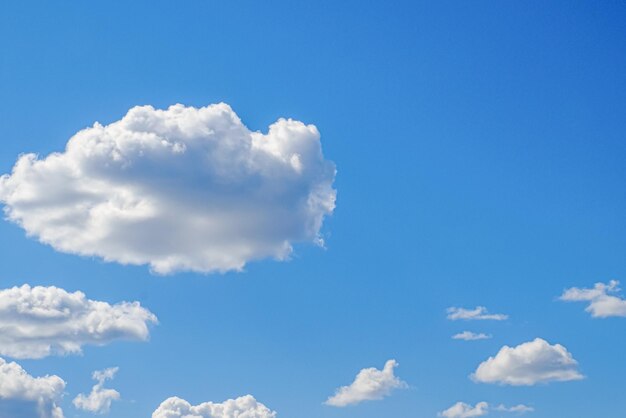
column 519, row 409
column 480, row 312
column 369, row 384
column 602, row 303
column 100, row 398
column 463, row 410
column 527, row 364
column 179, row 189
column 39, row 321
column 242, row 407
column 25, row 396
column 470, row 336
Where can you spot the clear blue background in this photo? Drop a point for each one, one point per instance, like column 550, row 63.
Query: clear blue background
column 481, row 159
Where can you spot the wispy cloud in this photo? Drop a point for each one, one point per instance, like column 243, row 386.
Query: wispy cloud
column 100, row 398
column 602, row 298
column 478, row 313
column 470, row 336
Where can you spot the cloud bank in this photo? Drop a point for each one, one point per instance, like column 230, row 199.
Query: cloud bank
column 369, row 384
column 602, row 301
column 478, row 313
column 99, row 399
column 179, row 189
column 528, row 364
column 242, row 407
column 25, row 396
column 38, row 321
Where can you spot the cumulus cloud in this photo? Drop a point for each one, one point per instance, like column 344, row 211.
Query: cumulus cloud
column 527, row 364
column 25, row 396
column 242, row 407
column 100, row 398
column 179, row 189
column 602, row 300
column 39, row 321
column 470, row 336
column 480, row 312
column 369, row 384
column 463, row 410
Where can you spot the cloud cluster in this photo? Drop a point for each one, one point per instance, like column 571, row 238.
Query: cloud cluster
column 470, row 336
column 179, row 189
column 527, row 364
column 369, row 384
column 39, row 321
column 25, row 396
column 478, row 313
column 464, row 410
column 242, row 407
column 602, row 301
column 100, row 398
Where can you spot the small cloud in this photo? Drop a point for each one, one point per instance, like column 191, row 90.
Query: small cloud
column 242, row 407
column 463, row 410
column 518, row 409
column 100, row 399
column 478, row 313
column 470, row 336
column 527, row 364
column 369, row 384
column 602, row 300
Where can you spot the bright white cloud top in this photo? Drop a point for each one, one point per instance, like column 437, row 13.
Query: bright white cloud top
column 463, row 410
column 40, row 321
column 470, row 336
column 527, row 364
column 370, row 384
column 179, row 189
column 100, row 398
column 242, row 407
column 602, row 300
column 478, row 313
column 25, row 396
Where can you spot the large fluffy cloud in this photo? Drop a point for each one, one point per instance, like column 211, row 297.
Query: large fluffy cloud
column 478, row 313
column 602, row 299
column 369, row 384
column 25, row 396
column 527, row 364
column 100, row 398
column 179, row 189
column 39, row 321
column 242, row 407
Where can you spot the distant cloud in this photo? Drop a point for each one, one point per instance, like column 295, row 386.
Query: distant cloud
column 243, row 407
column 179, row 189
column 463, row 410
column 38, row 321
column 25, row 396
column 470, row 336
column 602, row 303
column 99, row 399
column 527, row 364
column 369, row 384
column 478, row 313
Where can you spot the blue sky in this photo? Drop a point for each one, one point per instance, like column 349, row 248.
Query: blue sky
column 480, row 152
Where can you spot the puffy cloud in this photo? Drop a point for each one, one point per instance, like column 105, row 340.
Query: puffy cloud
column 242, row 407
column 463, row 410
column 99, row 399
column 470, row 336
column 39, row 321
column 480, row 312
column 369, row 384
column 519, row 409
column 179, row 189
column 602, row 303
column 25, row 396
column 527, row 364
